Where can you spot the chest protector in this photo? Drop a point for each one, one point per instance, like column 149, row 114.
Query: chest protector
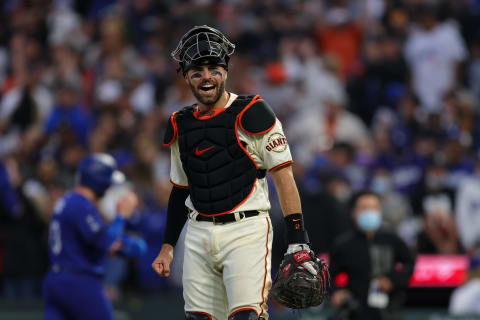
column 221, row 174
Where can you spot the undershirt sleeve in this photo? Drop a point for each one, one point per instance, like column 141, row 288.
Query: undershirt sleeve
column 176, row 215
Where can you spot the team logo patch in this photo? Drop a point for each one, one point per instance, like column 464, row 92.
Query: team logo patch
column 276, row 142
column 301, row 255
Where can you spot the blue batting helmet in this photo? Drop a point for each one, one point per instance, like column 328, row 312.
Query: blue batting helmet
column 98, row 171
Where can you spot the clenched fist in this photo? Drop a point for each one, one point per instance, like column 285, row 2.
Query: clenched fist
column 161, row 264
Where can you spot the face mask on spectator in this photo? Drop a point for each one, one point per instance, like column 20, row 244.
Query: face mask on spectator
column 381, row 184
column 369, row 220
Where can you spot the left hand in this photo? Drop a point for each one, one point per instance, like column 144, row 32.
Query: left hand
column 115, row 247
column 308, row 264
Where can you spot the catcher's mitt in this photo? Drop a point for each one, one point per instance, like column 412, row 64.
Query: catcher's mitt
column 302, row 281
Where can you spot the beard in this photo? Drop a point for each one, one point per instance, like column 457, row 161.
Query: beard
column 208, row 100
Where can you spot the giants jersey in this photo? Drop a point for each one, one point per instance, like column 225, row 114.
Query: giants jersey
column 77, row 239
column 269, row 151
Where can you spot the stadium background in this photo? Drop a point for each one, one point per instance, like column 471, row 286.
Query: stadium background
column 366, row 96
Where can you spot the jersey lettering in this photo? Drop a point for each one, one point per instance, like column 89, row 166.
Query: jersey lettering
column 94, row 225
column 276, row 142
column 55, row 237
column 59, row 206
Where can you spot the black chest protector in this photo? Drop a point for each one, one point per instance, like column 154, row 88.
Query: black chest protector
column 220, row 172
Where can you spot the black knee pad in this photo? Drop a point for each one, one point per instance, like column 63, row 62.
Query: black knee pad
column 247, row 314
column 197, row 316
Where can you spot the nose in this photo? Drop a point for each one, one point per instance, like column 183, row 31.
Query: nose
column 206, row 74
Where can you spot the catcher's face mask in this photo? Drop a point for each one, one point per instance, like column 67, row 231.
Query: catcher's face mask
column 203, row 45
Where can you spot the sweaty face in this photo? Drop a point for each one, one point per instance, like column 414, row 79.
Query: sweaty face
column 207, row 83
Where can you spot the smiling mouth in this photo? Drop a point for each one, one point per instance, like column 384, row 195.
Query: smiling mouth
column 209, row 88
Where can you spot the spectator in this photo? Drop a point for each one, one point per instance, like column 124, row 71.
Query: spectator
column 25, row 102
column 341, row 159
column 434, row 51
column 333, row 218
column 464, row 299
column 395, row 207
column 25, row 247
column 467, row 212
column 341, row 37
column 68, row 114
column 315, row 131
column 439, row 235
column 474, row 68
column 377, row 263
column 302, row 56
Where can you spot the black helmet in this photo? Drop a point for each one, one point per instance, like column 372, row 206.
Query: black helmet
column 203, row 45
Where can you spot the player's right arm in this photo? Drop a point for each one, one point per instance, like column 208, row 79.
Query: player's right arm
column 176, row 217
column 177, row 211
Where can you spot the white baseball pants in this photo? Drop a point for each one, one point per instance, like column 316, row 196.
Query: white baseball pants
column 226, row 267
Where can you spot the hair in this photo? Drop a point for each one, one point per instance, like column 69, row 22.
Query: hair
column 361, row 193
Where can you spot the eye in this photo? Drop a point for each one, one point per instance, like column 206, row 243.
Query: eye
column 215, row 72
column 195, row 75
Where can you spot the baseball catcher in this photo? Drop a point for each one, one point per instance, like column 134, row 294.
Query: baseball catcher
column 222, row 148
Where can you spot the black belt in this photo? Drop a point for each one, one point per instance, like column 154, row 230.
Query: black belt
column 228, row 217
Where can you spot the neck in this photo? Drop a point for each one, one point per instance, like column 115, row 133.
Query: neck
column 221, row 103
column 86, row 192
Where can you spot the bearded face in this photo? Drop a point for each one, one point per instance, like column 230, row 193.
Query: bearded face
column 207, row 83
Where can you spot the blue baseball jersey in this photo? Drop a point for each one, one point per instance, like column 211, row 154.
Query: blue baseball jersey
column 78, row 237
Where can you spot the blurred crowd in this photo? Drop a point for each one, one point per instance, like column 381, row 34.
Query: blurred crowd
column 378, row 94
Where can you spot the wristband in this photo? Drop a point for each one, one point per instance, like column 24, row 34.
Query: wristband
column 296, row 232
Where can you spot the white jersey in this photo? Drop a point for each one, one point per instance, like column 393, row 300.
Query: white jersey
column 269, row 151
column 432, row 56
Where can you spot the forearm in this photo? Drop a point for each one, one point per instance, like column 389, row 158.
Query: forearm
column 133, row 247
column 115, row 230
column 287, row 191
column 291, row 206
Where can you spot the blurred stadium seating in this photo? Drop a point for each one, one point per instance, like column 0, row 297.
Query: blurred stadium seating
column 380, row 94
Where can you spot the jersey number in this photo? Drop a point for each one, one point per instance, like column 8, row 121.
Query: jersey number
column 54, row 237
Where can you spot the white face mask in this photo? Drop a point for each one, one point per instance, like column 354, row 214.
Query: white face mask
column 381, row 184
column 369, row 220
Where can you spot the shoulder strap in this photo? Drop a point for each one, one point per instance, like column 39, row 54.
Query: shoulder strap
column 257, row 117
column 171, row 131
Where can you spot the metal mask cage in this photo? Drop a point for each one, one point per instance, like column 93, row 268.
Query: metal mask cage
column 202, row 42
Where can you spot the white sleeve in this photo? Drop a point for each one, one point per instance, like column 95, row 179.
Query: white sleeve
column 455, row 306
column 466, row 204
column 455, row 45
column 272, row 148
column 177, row 176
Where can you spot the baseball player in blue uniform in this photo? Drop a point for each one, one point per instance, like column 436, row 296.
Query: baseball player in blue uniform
column 221, row 150
column 80, row 241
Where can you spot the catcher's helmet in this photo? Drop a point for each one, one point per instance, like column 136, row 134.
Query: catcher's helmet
column 203, row 45
column 98, row 172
